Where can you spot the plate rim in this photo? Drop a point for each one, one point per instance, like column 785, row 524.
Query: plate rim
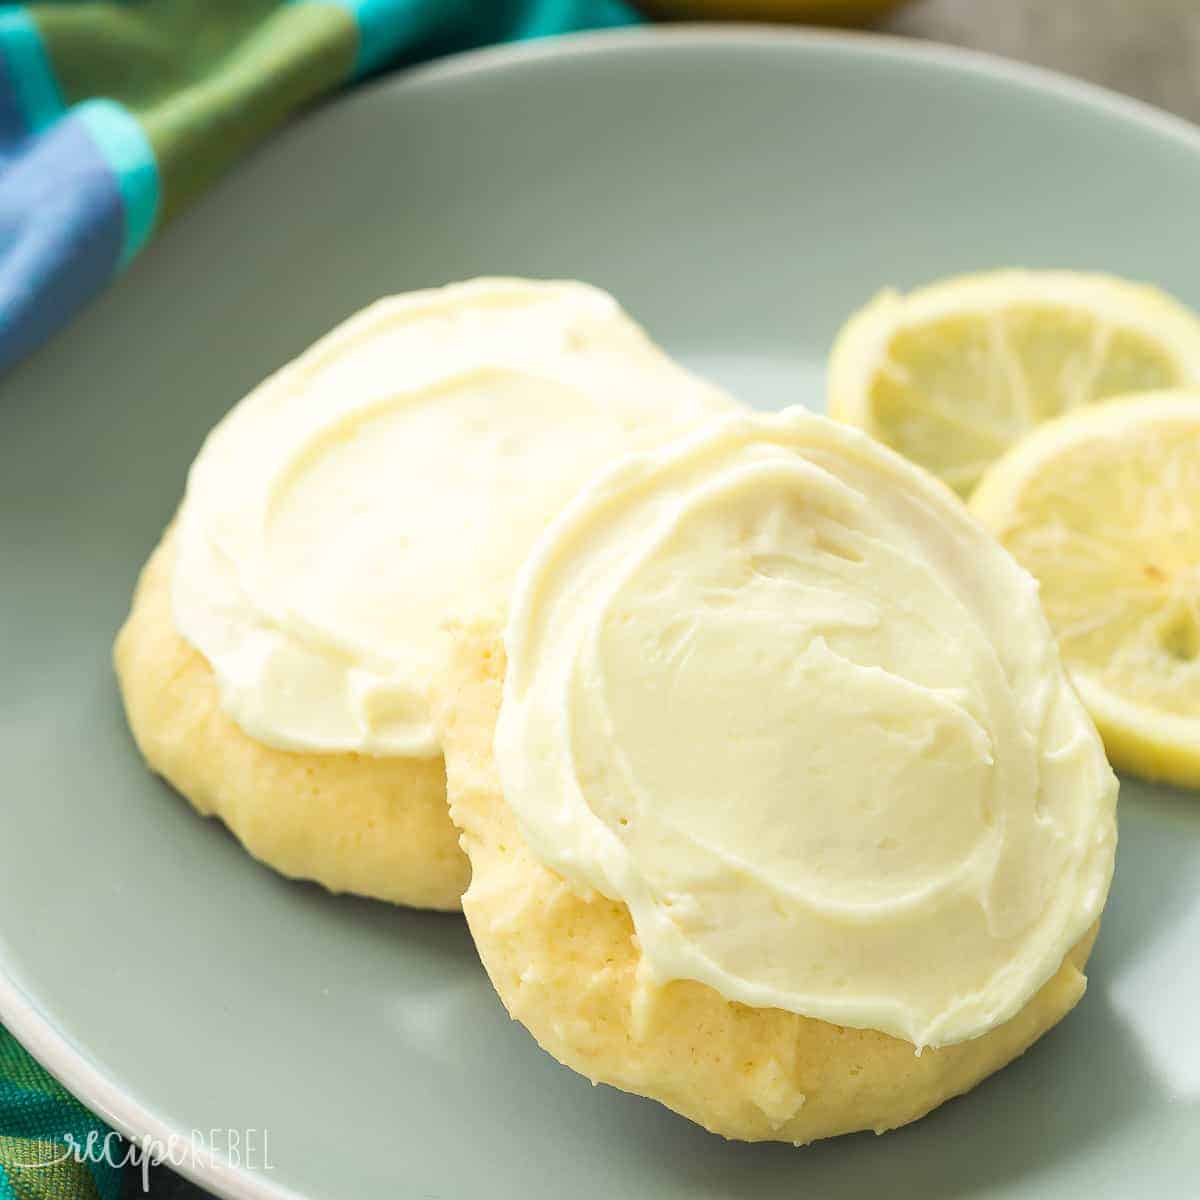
column 35, row 1031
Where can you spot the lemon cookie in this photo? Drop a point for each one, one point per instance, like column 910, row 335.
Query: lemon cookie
column 276, row 661
column 790, row 819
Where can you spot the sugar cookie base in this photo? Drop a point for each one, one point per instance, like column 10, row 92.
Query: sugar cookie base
column 567, row 968
column 376, row 827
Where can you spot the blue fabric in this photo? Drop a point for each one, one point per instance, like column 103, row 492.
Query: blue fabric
column 62, row 222
column 62, row 230
column 123, row 145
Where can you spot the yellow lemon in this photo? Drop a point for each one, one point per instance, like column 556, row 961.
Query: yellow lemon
column 953, row 374
column 1103, row 507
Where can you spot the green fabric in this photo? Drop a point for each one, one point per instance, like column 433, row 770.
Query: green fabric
column 206, row 78
column 40, row 1123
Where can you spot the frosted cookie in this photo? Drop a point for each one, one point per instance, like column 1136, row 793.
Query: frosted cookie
column 276, row 662
column 790, row 819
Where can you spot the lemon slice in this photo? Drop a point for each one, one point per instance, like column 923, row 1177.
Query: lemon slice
column 953, row 374
column 1103, row 507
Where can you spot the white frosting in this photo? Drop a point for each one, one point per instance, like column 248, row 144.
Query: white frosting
column 775, row 690
column 396, row 473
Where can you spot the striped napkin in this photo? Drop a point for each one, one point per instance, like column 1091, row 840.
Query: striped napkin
column 113, row 116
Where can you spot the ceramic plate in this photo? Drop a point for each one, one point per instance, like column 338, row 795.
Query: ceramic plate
column 741, row 192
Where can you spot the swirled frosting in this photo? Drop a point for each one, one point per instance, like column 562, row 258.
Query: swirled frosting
column 397, row 472
column 775, row 690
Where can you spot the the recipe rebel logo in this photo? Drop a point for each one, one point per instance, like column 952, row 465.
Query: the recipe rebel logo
column 199, row 1149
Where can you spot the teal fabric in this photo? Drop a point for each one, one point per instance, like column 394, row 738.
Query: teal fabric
column 37, row 93
column 392, row 29
column 41, row 1124
column 130, row 157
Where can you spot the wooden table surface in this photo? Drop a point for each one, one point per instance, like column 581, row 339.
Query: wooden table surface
column 1145, row 48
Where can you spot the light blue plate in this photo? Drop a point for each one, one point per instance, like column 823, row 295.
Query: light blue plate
column 741, row 192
